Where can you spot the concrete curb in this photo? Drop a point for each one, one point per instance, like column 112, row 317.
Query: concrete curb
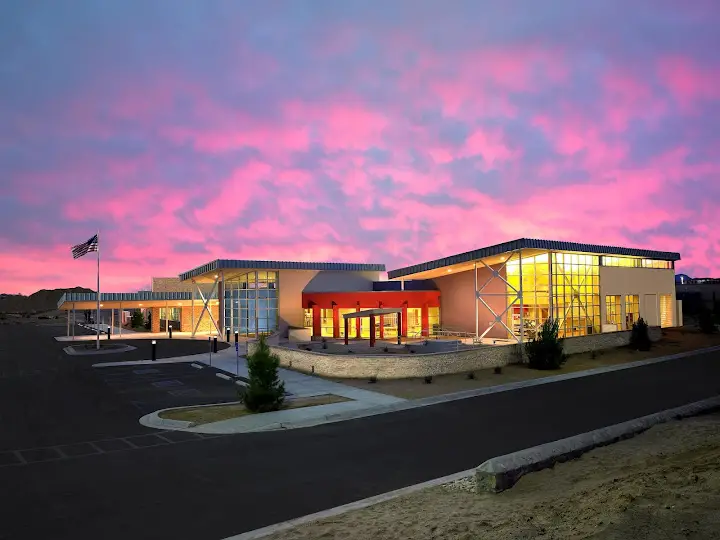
column 502, row 472
column 357, row 505
column 446, row 398
column 70, row 350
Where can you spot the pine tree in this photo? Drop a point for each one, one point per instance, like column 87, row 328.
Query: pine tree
column 545, row 351
column 265, row 391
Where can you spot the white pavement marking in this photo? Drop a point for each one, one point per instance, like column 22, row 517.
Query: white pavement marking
column 357, row 505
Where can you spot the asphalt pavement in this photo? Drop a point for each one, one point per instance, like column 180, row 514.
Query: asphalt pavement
column 211, row 488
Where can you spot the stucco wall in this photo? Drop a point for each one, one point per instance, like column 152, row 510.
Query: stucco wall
column 457, row 308
column 647, row 283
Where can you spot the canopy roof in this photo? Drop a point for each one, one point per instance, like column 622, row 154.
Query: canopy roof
column 234, row 264
column 529, row 244
column 369, row 312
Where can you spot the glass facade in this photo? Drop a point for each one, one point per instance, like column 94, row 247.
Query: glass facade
column 565, row 286
column 251, row 303
column 536, row 293
column 576, row 293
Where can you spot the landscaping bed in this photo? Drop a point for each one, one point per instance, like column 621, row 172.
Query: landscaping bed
column 216, row 413
column 674, row 340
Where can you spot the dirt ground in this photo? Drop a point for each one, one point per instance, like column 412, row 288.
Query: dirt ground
column 662, row 484
column 674, row 340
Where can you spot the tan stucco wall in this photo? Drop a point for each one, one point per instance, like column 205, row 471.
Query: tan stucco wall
column 647, row 283
column 457, row 308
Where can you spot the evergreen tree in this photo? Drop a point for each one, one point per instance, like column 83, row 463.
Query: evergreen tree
column 639, row 336
column 265, row 391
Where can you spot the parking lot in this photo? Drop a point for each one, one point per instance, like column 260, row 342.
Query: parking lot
column 149, row 387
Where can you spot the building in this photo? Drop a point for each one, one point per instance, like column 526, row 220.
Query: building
column 698, row 294
column 497, row 293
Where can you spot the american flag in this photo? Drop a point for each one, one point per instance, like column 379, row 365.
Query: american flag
column 86, row 247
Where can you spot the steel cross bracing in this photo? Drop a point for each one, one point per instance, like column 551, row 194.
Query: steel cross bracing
column 516, row 294
column 206, row 303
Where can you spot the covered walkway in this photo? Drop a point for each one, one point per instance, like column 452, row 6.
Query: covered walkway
column 372, row 313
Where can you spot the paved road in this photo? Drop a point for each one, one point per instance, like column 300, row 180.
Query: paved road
column 213, row 488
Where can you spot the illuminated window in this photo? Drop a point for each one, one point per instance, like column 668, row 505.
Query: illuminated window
column 666, row 310
column 535, row 309
column 632, row 310
column 308, row 319
column 576, row 293
column 613, row 311
column 326, row 322
column 414, row 322
column 433, row 320
column 352, row 323
column 632, row 262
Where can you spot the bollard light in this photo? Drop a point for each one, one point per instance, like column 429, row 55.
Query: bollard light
column 237, row 354
column 215, row 344
column 227, row 335
column 154, row 350
column 210, row 350
column 169, row 330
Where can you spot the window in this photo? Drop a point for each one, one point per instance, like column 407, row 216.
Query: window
column 666, row 310
column 632, row 262
column 414, row 322
column 308, row 318
column 536, row 293
column 174, row 314
column 352, row 323
column 251, row 303
column 632, row 310
column 433, row 320
column 326, row 322
column 576, row 293
column 613, row 311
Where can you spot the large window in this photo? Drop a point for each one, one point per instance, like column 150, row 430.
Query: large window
column 352, row 323
column 251, row 303
column 632, row 310
column 613, row 311
column 326, row 322
column 433, row 320
column 414, row 322
column 576, row 293
column 633, row 262
column 666, row 310
column 174, row 313
column 536, row 293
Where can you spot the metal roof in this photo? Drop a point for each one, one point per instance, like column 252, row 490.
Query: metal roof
column 142, row 296
column 220, row 264
column 531, row 243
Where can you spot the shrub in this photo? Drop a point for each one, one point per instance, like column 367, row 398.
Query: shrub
column 639, row 336
column 428, row 379
column 137, row 320
column 471, row 375
column 545, row 350
column 373, row 379
column 706, row 322
column 497, row 370
column 265, row 391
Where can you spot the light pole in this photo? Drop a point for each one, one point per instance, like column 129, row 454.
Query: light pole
column 237, row 354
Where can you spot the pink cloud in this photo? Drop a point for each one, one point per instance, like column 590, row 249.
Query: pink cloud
column 688, row 81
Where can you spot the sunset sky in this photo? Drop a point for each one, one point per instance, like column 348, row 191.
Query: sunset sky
column 351, row 130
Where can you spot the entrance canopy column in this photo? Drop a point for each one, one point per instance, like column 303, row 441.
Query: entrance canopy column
column 512, row 296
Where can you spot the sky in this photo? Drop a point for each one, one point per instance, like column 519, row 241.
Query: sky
column 357, row 130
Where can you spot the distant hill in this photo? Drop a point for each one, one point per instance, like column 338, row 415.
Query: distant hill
column 42, row 300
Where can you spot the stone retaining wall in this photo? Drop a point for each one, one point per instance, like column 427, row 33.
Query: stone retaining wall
column 609, row 340
column 400, row 366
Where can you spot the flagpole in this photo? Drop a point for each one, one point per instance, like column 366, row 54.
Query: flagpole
column 97, row 318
